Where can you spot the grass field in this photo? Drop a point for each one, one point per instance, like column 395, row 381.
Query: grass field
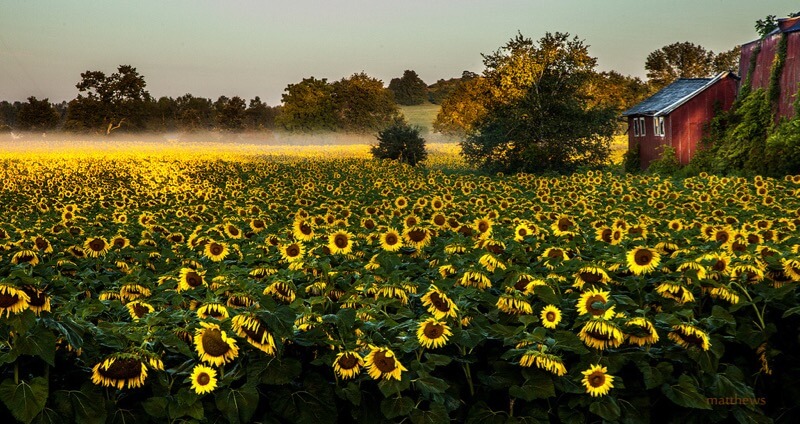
column 422, row 115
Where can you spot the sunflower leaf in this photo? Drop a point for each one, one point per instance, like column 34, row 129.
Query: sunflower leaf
column 606, row 408
column 39, row 342
column 436, row 415
column 238, row 405
column 685, row 393
column 546, row 294
column 396, row 407
column 26, row 399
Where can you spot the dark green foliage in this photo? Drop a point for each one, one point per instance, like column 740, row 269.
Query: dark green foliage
column 769, row 24
column 774, row 89
column 108, row 103
column 544, row 123
column 667, row 162
column 442, row 89
column 632, row 161
column 741, row 149
column 409, row 89
column 230, row 113
column 359, row 103
column 259, row 116
column 678, row 60
column 746, row 86
column 194, row 113
column 400, row 142
column 37, row 115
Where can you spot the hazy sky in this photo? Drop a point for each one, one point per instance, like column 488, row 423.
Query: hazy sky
column 255, row 48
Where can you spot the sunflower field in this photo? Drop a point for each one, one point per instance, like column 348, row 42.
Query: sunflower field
column 195, row 287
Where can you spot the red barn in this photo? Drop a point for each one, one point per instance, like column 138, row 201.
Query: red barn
column 676, row 116
column 766, row 48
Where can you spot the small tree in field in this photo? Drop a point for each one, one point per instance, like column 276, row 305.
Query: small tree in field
column 400, row 142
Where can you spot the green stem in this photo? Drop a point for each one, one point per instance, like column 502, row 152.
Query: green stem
column 16, row 372
column 759, row 314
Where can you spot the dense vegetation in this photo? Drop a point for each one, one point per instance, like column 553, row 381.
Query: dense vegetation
column 160, row 288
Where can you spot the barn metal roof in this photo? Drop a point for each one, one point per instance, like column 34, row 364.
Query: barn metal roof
column 672, row 96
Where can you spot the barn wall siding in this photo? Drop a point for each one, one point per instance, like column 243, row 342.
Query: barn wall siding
column 790, row 77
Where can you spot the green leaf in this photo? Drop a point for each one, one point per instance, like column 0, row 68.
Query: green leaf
column 396, row 407
column 48, row 416
column 351, row 393
column 606, row 408
column 26, row 399
column 428, row 384
column 314, row 403
column 435, row 359
column 155, row 407
column 719, row 313
column 393, row 387
column 546, row 294
column 279, row 371
column 88, row 404
column 685, row 393
column 436, row 415
column 538, row 385
column 238, row 405
column 40, row 342
column 792, row 311
column 570, row 342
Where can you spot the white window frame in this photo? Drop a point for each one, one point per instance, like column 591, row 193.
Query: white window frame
column 661, row 125
column 636, row 127
column 642, row 128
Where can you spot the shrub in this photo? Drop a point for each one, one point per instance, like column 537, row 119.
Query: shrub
column 631, row 161
column 401, row 142
column 667, row 163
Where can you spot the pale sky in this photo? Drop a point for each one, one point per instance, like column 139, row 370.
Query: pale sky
column 256, row 48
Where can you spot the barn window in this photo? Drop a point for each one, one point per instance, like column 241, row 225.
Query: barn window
column 661, row 126
column 636, row 127
column 642, row 127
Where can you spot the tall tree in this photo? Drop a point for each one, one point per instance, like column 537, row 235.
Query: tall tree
column 727, row 61
column 259, row 115
column 409, row 89
column 538, row 111
column 37, row 115
column 110, row 101
column 8, row 115
column 463, row 107
column 442, row 89
column 769, row 24
column 194, row 113
column 362, row 104
column 678, row 60
column 308, row 106
column 230, row 113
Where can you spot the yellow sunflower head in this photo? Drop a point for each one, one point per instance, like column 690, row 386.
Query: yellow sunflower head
column 597, row 381
column 642, row 260
column 120, row 371
column 204, row 379
column 214, row 346
column 382, row 363
column 348, row 364
column 433, row 333
column 550, row 316
column 340, row 242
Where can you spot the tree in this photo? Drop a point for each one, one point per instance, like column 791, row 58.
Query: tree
column 727, row 61
column 8, row 115
column 538, row 113
column 409, row 89
column 400, row 142
column 442, row 89
column 37, row 115
column 678, row 60
column 194, row 113
column 308, row 106
column 230, row 113
column 259, row 116
column 463, row 108
column 109, row 101
column 362, row 104
column 769, row 24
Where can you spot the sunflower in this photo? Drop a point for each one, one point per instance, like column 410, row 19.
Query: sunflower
column 138, row 309
column 12, row 300
column 725, row 294
column 689, row 336
column 348, row 364
column 552, row 255
column 642, row 260
column 433, row 333
column 521, row 231
column 597, row 381
column 383, row 364
column 204, row 379
column 545, row 361
column 642, row 332
column 563, row 225
column 603, row 234
column 340, row 242
column 391, row 241
column 675, row 291
column 401, row 202
column 601, row 334
column 120, row 371
column 475, row 279
column 483, row 226
column 212, row 310
column 133, row 291
column 514, row 305
column 190, row 279
column 280, row 291
column 550, row 316
column 250, row 328
column 438, row 304
column 213, row 345
column 42, row 244
column 25, row 257
column 216, row 251
column 594, row 302
column 791, row 267
column 590, row 275
column 96, row 247
column 490, row 262
column 302, row 230
column 232, row 231
column 417, row 236
column 38, row 301
column 292, row 252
